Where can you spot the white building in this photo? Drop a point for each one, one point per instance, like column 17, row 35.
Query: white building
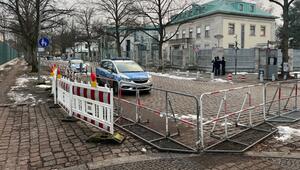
column 230, row 20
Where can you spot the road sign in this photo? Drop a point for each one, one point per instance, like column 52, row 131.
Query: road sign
column 44, row 42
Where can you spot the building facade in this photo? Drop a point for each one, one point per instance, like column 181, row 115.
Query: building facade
column 221, row 23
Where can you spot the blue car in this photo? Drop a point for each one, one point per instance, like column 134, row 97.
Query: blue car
column 128, row 72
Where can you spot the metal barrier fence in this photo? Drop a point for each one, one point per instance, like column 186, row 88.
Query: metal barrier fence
column 7, row 53
column 281, row 101
column 175, row 121
column 225, row 113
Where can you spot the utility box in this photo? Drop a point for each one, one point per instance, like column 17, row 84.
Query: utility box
column 268, row 63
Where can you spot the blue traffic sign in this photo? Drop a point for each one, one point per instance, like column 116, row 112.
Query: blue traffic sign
column 44, row 42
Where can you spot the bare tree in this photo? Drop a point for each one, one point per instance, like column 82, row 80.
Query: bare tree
column 158, row 13
column 26, row 18
column 285, row 5
column 122, row 21
column 85, row 20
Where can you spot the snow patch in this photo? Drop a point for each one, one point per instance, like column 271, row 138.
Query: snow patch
column 43, row 86
column 219, row 80
column 286, row 133
column 171, row 76
column 21, row 97
column 10, row 63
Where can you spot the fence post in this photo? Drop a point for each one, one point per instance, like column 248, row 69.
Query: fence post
column 279, row 98
column 296, row 96
column 201, row 122
column 137, row 119
column 55, row 86
column 225, row 110
column 264, row 99
column 71, row 97
column 167, row 120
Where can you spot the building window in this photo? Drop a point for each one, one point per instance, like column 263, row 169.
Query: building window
column 262, row 31
column 191, row 33
column 198, row 32
column 206, row 46
column 207, row 28
column 252, row 30
column 252, row 8
column 177, row 35
column 241, row 7
column 230, row 45
column 230, row 29
column 183, row 33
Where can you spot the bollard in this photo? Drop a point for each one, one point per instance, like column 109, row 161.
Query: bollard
column 285, row 76
column 177, row 72
column 261, row 78
column 187, row 73
column 198, row 75
column 212, row 76
column 273, row 77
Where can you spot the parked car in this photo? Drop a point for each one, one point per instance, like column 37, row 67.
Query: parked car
column 128, row 72
column 76, row 64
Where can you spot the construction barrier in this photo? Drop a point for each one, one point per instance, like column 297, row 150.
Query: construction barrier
column 281, row 101
column 230, row 120
column 93, row 105
column 225, row 114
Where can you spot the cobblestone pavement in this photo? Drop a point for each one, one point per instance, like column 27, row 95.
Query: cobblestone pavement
column 35, row 137
column 213, row 162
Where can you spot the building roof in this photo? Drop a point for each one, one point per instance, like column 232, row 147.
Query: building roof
column 222, row 7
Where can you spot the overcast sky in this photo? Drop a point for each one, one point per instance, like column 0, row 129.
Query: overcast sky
column 266, row 4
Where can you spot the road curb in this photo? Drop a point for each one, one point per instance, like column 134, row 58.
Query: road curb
column 129, row 159
column 273, row 154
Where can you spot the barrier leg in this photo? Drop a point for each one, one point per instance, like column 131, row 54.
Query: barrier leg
column 137, row 117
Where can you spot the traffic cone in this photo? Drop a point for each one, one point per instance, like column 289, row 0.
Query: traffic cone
column 93, row 80
column 58, row 74
column 243, row 77
column 229, row 77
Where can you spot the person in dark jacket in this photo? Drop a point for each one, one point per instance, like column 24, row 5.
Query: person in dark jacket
column 217, row 66
column 213, row 65
column 223, row 64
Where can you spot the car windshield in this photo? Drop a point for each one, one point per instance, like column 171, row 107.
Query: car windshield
column 76, row 61
column 125, row 67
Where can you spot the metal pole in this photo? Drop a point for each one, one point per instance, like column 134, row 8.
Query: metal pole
column 167, row 120
column 201, row 123
column 198, row 123
column 279, row 98
column 137, row 105
column 296, row 96
column 264, row 100
column 225, row 110
column 38, row 37
column 235, row 59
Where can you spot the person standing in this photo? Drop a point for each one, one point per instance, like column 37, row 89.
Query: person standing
column 217, row 66
column 223, row 64
column 213, row 65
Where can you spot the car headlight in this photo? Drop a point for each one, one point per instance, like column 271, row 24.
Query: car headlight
column 149, row 78
column 124, row 78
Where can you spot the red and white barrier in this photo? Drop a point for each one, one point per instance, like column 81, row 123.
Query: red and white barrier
column 93, row 105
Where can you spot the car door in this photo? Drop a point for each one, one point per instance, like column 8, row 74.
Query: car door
column 103, row 72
